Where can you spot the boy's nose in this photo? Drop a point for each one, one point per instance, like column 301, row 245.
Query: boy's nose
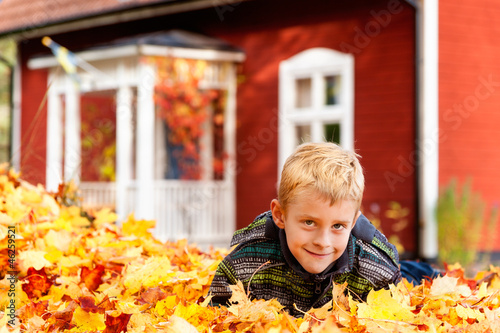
column 322, row 239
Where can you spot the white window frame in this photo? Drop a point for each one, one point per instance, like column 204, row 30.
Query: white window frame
column 315, row 63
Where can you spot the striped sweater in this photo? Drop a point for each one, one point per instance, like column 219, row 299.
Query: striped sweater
column 263, row 260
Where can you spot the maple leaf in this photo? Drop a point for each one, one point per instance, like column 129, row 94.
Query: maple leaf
column 87, row 304
column 61, row 319
column 140, row 228
column 180, row 325
column 152, row 295
column 381, row 305
column 251, row 311
column 88, row 321
column 34, row 258
column 103, row 216
column 448, row 286
column 92, row 278
column 117, row 324
column 38, row 283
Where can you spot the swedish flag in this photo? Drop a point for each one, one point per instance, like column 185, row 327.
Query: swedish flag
column 65, row 57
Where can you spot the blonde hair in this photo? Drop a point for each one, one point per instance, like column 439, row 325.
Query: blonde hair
column 325, row 167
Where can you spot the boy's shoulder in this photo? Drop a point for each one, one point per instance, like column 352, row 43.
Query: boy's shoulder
column 262, row 228
column 365, row 231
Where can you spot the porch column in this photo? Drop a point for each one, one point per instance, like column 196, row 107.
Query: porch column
column 230, row 139
column 124, row 142
column 144, row 200
column 55, row 134
column 72, row 142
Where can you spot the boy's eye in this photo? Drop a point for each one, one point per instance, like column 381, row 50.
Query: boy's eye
column 337, row 226
column 309, row 223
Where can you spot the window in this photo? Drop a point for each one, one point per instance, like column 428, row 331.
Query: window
column 316, row 100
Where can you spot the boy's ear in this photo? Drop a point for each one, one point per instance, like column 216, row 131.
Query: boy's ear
column 278, row 215
column 356, row 217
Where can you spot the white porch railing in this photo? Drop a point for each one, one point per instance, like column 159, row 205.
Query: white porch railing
column 98, row 194
column 199, row 211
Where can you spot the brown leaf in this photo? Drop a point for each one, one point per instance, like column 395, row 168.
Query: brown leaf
column 61, row 320
column 152, row 295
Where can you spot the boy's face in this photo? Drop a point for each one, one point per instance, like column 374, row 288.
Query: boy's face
column 316, row 233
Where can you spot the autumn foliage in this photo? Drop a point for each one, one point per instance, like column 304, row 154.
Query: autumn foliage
column 78, row 271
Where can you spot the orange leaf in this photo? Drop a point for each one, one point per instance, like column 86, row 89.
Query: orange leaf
column 92, row 278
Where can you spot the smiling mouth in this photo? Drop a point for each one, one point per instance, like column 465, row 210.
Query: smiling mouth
column 319, row 255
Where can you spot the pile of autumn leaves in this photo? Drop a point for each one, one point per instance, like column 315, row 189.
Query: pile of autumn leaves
column 78, row 271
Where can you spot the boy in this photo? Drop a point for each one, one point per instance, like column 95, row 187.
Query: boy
column 313, row 236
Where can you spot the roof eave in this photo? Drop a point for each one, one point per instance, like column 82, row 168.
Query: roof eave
column 112, row 18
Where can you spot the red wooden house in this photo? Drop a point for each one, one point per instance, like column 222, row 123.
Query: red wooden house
column 410, row 86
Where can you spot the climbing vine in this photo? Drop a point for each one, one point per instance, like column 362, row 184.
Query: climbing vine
column 185, row 108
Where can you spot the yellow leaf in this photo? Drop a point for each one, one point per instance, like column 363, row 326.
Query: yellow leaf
column 169, row 303
column 137, row 228
column 104, row 216
column 381, row 305
column 61, row 239
column 180, row 325
column 34, row 258
column 140, row 323
column 148, row 274
column 447, row 285
column 87, row 321
column 468, row 313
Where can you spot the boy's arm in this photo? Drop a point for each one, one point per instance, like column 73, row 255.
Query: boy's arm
column 225, row 276
column 380, row 261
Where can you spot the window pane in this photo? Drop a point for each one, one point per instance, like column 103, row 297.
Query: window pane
column 303, row 93
column 302, row 134
column 332, row 132
column 332, row 84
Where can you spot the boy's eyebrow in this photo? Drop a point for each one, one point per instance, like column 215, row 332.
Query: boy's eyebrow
column 307, row 216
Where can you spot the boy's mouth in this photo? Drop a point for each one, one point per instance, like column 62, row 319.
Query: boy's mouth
column 318, row 255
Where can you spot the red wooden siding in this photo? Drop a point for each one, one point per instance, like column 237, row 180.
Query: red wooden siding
column 33, row 124
column 384, row 95
column 469, row 98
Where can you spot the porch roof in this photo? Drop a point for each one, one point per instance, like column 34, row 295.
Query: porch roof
column 176, row 43
column 172, row 38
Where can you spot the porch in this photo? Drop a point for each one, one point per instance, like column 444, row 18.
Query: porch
column 163, row 161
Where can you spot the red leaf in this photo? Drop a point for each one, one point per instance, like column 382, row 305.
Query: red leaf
column 117, row 324
column 38, row 283
column 87, row 304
